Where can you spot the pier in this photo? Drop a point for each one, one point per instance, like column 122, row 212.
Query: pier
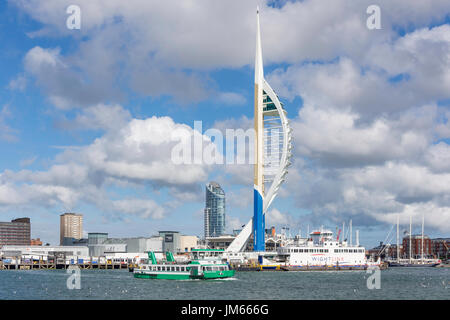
column 54, row 264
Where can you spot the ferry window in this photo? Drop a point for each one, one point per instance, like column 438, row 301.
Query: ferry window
column 177, row 268
column 159, row 268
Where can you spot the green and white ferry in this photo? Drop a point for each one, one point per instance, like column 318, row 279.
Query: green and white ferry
column 205, row 264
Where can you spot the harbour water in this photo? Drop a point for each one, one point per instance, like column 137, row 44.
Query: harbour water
column 395, row 283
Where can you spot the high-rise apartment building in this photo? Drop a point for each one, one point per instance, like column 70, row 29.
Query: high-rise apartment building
column 214, row 211
column 71, row 228
column 16, row 232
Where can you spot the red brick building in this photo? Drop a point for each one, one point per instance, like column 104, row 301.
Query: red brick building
column 441, row 248
column 416, row 247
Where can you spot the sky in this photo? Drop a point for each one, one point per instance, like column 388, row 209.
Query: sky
column 89, row 117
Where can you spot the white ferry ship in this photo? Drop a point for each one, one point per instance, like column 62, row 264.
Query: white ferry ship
column 320, row 250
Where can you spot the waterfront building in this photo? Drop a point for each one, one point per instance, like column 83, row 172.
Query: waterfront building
column 416, row 247
column 214, row 210
column 187, row 243
column 171, row 241
column 100, row 245
column 220, row 242
column 97, row 238
column 71, row 228
column 16, row 232
column 441, row 248
column 43, row 251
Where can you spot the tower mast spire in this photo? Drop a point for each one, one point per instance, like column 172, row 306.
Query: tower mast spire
column 258, row 193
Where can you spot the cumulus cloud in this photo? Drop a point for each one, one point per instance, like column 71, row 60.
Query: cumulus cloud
column 369, row 140
column 338, row 138
column 97, row 117
column 137, row 153
column 65, row 87
column 158, row 48
column 275, row 217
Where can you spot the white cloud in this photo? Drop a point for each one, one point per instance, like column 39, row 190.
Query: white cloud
column 274, row 217
column 164, row 48
column 366, row 140
column 338, row 137
column 138, row 153
column 65, row 87
column 101, row 116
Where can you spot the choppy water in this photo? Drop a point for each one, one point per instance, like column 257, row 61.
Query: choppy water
column 396, row 283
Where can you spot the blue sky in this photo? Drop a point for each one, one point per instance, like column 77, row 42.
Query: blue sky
column 85, row 115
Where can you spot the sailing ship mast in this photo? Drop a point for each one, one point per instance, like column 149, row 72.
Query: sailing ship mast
column 398, row 239
column 423, row 222
column 410, row 238
column 351, row 235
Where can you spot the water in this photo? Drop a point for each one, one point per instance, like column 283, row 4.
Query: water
column 396, row 283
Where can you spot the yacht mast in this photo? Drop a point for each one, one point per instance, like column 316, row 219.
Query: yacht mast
column 410, row 238
column 423, row 222
column 398, row 239
column 357, row 238
column 351, row 235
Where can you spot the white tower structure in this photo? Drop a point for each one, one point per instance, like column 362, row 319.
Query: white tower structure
column 272, row 153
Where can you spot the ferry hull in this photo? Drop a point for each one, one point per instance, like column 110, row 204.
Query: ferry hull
column 162, row 276
column 187, row 276
column 322, row 268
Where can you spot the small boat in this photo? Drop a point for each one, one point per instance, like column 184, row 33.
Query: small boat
column 195, row 269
